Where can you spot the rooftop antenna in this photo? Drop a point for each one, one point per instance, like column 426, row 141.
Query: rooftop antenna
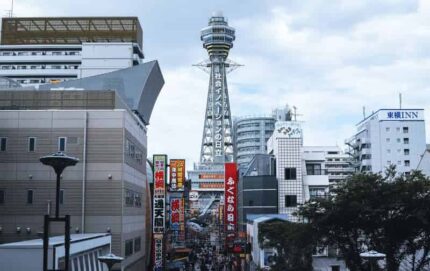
column 295, row 112
column 364, row 112
column 10, row 12
column 400, row 100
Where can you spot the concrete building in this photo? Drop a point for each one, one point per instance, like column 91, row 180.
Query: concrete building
column 107, row 191
column 85, row 250
column 50, row 50
column 252, row 132
column 327, row 160
column 389, row 137
column 286, row 145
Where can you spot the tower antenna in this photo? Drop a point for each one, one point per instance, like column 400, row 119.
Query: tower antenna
column 217, row 140
column 400, row 100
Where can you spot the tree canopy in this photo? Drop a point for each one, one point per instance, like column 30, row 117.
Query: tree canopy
column 388, row 213
column 293, row 242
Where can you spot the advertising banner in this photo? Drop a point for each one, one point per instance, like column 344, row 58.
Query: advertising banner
column 177, row 218
column 158, row 252
column 158, row 223
column 230, row 199
column 160, row 164
column 177, row 175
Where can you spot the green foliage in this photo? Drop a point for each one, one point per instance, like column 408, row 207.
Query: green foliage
column 293, row 242
column 388, row 213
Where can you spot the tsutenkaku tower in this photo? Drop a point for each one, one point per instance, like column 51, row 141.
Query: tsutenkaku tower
column 217, row 142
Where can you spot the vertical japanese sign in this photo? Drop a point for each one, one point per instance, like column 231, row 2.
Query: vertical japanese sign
column 177, row 175
column 177, row 218
column 230, row 198
column 175, row 210
column 160, row 164
column 160, row 171
column 218, row 109
column 158, row 252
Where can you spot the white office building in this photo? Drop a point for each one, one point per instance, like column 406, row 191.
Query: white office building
column 50, row 50
column 286, row 145
column 389, row 137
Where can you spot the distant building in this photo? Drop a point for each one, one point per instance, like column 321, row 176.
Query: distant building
column 251, row 134
column 108, row 190
column 328, row 160
column 389, row 137
column 50, row 50
column 86, row 248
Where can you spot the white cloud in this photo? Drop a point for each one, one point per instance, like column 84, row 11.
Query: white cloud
column 329, row 58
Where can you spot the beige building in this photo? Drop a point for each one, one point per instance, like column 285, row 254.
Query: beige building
column 107, row 191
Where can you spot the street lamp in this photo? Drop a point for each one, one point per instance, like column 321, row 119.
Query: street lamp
column 58, row 161
column 373, row 256
column 110, row 260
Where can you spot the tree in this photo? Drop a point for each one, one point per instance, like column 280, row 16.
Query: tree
column 293, row 243
column 387, row 213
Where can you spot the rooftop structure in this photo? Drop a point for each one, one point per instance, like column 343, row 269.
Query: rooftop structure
column 45, row 50
column 70, row 30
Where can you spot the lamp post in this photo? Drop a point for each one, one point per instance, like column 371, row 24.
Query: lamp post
column 58, row 161
column 373, row 256
column 110, row 260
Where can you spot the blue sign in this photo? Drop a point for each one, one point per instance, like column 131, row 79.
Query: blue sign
column 402, row 114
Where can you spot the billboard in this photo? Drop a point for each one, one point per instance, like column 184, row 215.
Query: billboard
column 177, row 218
column 160, row 164
column 230, row 199
column 177, row 175
column 158, row 252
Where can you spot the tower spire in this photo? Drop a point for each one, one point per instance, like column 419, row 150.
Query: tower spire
column 217, row 142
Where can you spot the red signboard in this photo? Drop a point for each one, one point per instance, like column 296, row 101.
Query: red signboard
column 230, row 198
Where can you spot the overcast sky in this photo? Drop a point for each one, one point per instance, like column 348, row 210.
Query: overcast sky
column 328, row 58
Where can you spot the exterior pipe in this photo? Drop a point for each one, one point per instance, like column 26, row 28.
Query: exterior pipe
column 84, row 172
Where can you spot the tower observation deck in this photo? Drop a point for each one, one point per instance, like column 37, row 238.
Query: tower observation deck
column 217, row 142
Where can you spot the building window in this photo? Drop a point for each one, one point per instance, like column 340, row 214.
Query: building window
column 251, row 203
column 62, row 196
column 3, row 143
column 388, row 151
column 387, row 129
column 399, row 162
column 62, row 141
column 30, row 196
column 335, row 268
column 129, row 198
column 398, row 140
column 406, row 151
column 128, row 247
column 387, row 139
column 398, row 129
column 389, row 162
column 137, row 244
column 405, row 130
column 405, row 140
column 317, row 192
column 407, row 173
column 290, row 173
column 313, row 169
column 31, row 144
column 2, row 198
column 290, row 201
column 407, row 163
